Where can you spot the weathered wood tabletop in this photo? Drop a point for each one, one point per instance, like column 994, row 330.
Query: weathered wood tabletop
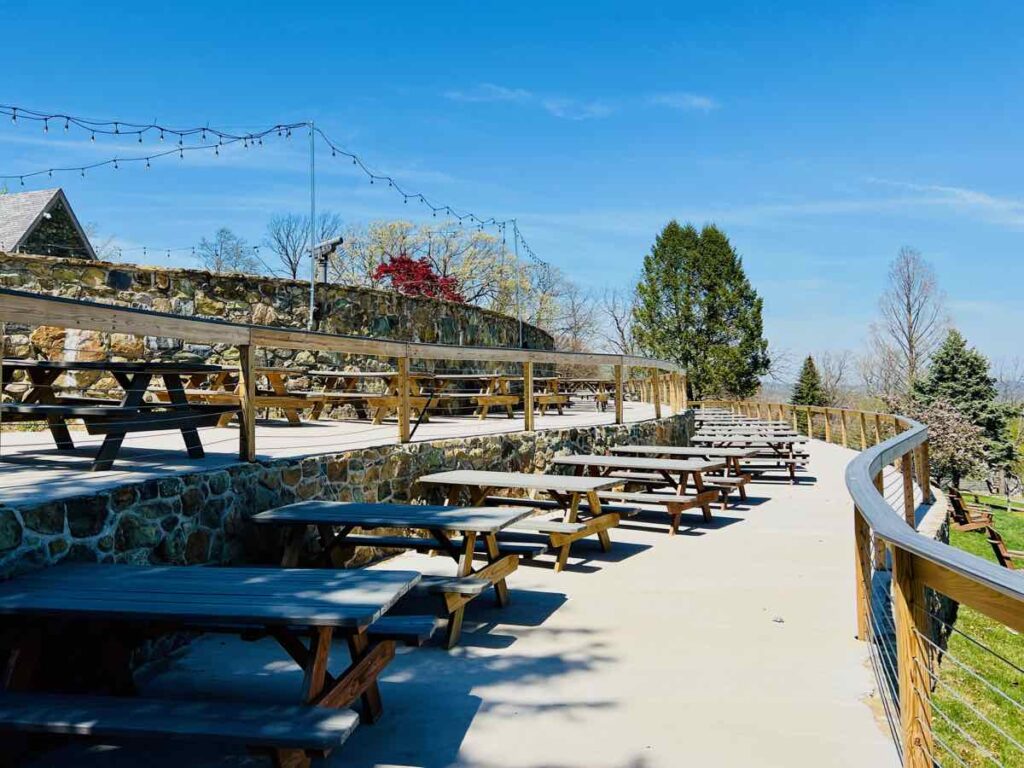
column 566, row 490
column 441, row 522
column 675, row 472
column 351, row 599
column 452, row 519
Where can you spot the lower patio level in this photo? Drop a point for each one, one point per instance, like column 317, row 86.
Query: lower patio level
column 731, row 644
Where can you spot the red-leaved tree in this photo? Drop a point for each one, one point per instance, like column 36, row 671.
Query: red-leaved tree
column 416, row 277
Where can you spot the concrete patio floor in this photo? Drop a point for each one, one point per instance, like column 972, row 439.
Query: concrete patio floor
column 731, row 644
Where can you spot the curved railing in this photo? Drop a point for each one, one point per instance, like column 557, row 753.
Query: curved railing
column 908, row 588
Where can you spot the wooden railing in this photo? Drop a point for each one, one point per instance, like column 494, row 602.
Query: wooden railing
column 885, row 541
column 662, row 382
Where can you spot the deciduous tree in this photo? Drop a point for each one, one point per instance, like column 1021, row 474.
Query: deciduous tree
column 227, row 252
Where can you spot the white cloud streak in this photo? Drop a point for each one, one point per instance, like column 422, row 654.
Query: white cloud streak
column 557, row 106
column 682, row 101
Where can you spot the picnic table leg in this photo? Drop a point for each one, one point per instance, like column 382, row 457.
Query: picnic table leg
column 493, row 555
column 571, row 515
column 176, row 393
column 276, row 382
column 134, row 393
column 465, row 569
column 42, row 392
column 595, row 511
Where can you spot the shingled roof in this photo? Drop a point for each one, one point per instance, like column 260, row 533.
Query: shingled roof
column 23, row 214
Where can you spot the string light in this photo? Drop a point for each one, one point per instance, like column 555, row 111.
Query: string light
column 120, row 127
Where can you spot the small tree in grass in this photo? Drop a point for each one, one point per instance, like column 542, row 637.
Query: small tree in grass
column 959, row 376
column 808, row 389
column 956, row 447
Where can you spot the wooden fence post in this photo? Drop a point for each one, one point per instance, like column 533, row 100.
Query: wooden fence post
column 863, row 431
column 404, row 433
column 528, row 396
column 878, row 428
column 842, row 428
column 828, row 427
column 879, row 563
column 796, row 427
column 656, row 380
column 682, row 391
column 618, row 394
column 862, row 566
column 810, row 422
column 247, row 401
column 924, row 474
column 907, row 474
column 912, row 658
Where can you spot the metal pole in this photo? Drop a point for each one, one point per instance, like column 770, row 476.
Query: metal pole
column 519, row 303
column 312, row 223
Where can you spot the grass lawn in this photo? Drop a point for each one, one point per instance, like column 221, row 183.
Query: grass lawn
column 959, row 691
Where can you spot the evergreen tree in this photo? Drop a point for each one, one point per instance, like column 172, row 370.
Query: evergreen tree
column 959, row 375
column 696, row 307
column 808, row 389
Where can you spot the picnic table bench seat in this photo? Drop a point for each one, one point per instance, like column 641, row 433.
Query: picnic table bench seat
column 618, row 509
column 422, row 544
column 412, row 630
column 673, row 503
column 314, row 730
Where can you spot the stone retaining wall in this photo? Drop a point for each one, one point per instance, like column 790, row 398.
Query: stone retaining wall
column 201, row 517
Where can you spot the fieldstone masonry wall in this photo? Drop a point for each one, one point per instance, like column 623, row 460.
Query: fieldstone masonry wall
column 201, row 517
column 243, row 299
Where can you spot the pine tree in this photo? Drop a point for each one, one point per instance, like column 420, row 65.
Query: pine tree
column 808, row 389
column 959, row 375
column 696, row 307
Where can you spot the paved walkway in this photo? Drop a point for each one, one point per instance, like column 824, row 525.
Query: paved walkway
column 729, row 645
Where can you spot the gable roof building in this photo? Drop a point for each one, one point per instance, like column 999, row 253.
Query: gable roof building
column 42, row 222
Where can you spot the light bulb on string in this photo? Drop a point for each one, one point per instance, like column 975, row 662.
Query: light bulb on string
column 117, row 129
column 147, row 162
column 181, row 153
column 22, row 180
column 140, row 137
column 161, row 134
column 115, row 163
column 67, row 124
column 14, row 115
column 92, row 137
column 46, row 125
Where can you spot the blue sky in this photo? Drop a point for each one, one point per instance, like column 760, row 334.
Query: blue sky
column 821, row 137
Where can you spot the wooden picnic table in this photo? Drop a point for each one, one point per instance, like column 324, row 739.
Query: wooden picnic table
column 494, row 391
column 113, row 418
column 343, row 385
column 566, row 491
column 455, row 531
column 731, row 456
column 675, row 472
column 291, row 606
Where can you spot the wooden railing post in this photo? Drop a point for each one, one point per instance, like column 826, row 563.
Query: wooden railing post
column 924, row 475
column 878, row 428
column 656, row 381
column 842, row 428
column 792, row 412
column 247, row 402
column 810, row 422
column 907, row 474
column 528, row 396
column 863, row 431
column 404, row 433
column 862, row 566
column 828, row 427
column 909, row 618
column 879, row 564
column 683, row 396
column 618, row 394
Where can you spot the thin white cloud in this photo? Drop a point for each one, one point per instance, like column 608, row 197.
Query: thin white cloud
column 557, row 106
column 571, row 109
column 1007, row 211
column 684, row 102
column 487, row 92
